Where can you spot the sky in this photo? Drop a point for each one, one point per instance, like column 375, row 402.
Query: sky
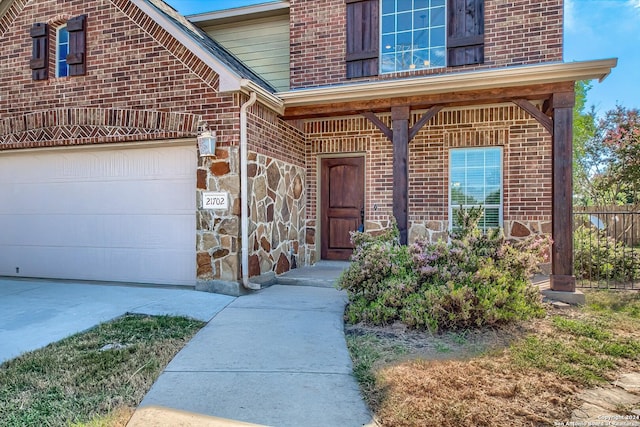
column 594, row 29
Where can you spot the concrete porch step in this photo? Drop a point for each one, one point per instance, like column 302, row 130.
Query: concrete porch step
column 322, row 274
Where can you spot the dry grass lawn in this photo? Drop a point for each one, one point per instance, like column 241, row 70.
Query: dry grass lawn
column 93, row 379
column 522, row 375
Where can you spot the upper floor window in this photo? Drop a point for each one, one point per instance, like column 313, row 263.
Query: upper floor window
column 389, row 36
column 475, row 180
column 62, row 50
column 70, row 47
column 413, row 35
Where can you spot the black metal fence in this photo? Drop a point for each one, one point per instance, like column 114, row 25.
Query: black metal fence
column 607, row 247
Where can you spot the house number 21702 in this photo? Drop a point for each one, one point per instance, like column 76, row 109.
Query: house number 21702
column 215, row 201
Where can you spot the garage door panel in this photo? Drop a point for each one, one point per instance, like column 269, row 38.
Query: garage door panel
column 109, row 197
column 113, row 231
column 115, row 215
column 127, row 265
column 99, row 165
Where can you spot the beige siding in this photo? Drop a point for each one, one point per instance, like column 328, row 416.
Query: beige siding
column 4, row 6
column 262, row 44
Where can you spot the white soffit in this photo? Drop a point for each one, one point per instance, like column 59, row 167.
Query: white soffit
column 452, row 82
column 241, row 13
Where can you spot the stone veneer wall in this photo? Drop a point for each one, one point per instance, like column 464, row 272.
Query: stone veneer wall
column 277, row 203
column 278, row 193
column 527, row 169
column 218, row 232
column 277, row 212
column 277, row 215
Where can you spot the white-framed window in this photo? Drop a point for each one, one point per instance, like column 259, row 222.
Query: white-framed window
column 413, row 35
column 62, row 50
column 475, row 179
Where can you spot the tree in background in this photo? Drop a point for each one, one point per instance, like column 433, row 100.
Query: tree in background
column 619, row 132
column 584, row 130
column 606, row 154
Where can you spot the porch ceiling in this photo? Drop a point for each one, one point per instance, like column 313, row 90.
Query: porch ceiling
column 536, row 82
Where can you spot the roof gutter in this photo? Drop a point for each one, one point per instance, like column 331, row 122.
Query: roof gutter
column 452, row 82
column 265, row 97
column 241, row 13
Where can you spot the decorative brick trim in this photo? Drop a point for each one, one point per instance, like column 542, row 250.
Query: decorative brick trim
column 480, row 115
column 340, row 145
column 180, row 52
column 58, row 20
column 337, row 125
column 476, row 138
column 10, row 15
column 78, row 126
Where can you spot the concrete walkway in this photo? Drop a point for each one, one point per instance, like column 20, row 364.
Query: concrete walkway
column 277, row 357
column 35, row 313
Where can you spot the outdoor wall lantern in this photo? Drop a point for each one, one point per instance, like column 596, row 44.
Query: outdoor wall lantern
column 207, row 143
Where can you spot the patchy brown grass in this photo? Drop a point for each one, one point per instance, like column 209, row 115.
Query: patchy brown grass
column 479, row 392
column 521, row 375
column 117, row 418
column 92, row 379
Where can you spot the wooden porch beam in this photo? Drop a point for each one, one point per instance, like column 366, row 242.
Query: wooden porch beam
column 542, row 118
column 451, row 99
column 431, row 112
column 379, row 124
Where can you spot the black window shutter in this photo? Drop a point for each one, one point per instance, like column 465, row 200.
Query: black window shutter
column 363, row 33
column 39, row 63
column 465, row 44
column 76, row 59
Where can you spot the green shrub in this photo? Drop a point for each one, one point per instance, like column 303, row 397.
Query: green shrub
column 600, row 257
column 475, row 279
column 379, row 279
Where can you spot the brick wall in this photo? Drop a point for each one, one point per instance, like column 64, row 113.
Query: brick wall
column 141, row 84
column 526, row 167
column 517, row 32
column 318, row 42
column 270, row 135
column 523, row 31
column 132, row 64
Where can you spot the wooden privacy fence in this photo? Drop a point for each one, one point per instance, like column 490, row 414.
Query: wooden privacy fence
column 607, row 246
column 621, row 223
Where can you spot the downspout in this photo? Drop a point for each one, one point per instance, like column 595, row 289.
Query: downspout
column 244, row 193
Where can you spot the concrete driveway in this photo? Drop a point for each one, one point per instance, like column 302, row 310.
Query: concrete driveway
column 34, row 313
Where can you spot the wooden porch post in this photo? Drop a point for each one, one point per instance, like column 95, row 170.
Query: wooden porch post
column 562, row 278
column 400, row 127
column 400, row 135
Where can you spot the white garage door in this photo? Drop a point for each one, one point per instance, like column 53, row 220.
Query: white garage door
column 109, row 214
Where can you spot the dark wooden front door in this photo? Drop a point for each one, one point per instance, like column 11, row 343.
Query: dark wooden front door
column 342, row 196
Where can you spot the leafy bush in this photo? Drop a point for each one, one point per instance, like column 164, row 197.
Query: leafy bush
column 600, row 257
column 475, row 279
column 380, row 277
